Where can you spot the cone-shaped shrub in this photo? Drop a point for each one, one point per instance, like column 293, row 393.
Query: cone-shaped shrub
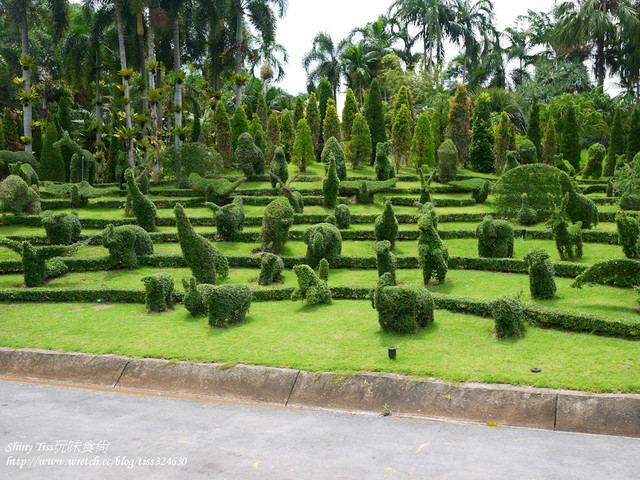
column 633, row 139
column 330, row 185
column 595, row 157
column 534, row 132
column 502, row 143
column 384, row 169
column 303, row 154
column 385, row 260
column 550, row 143
column 401, row 137
column 222, row 127
column 348, row 114
column 343, row 216
column 359, row 150
column 239, row 125
column 51, row 166
column 542, row 283
column 422, row 151
column 323, row 241
column 276, row 221
column 447, row 161
column 386, row 226
column 249, row 158
column 314, row 121
column 507, row 313
column 273, row 137
column 143, row 208
column 616, row 145
column 331, row 127
column 374, row 115
column 333, row 148
column 287, row 133
column 481, row 156
column 459, row 127
column 570, row 146
column 298, row 112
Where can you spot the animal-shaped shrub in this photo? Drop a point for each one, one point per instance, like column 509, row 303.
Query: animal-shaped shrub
column 217, row 191
column 621, row 272
column 580, row 208
column 227, row 304
column 630, row 201
column 229, row 219
column 78, row 199
column 495, row 238
column 249, row 158
column 193, row 300
column 401, row 309
column 386, row 226
column 276, row 221
column 480, row 195
column 330, row 185
column 61, row 228
column 568, row 236
column 125, row 244
column 527, row 215
column 542, row 283
column 17, row 197
column 279, row 167
column 83, row 164
column 8, row 157
column 383, row 167
column 507, row 313
column 512, row 161
column 26, row 172
column 433, row 255
column 205, row 260
column 271, row 267
column 333, row 147
column 595, row 157
column 343, row 216
column 311, row 288
column 628, row 234
column 323, row 241
column 527, row 152
column 385, row 260
column 425, row 185
column 158, row 292
column 143, row 208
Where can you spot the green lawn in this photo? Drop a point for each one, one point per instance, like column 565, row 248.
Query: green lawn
column 341, row 337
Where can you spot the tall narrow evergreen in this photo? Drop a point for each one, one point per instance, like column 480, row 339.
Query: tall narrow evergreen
column 262, row 111
column 459, row 127
column 570, row 146
column 239, row 126
column 502, row 143
column 273, row 136
column 65, row 124
column 287, row 133
column 303, row 153
column 331, row 127
column 51, row 165
column 359, row 148
column 633, row 139
column 312, row 116
column 534, row 132
column 325, row 93
column 222, row 127
column 401, row 137
column 348, row 114
column 298, row 112
column 550, row 143
column 422, row 151
column 403, row 97
column 481, row 156
column 616, row 144
column 374, row 115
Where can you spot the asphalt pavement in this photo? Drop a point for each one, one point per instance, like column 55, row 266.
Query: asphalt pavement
column 55, row 432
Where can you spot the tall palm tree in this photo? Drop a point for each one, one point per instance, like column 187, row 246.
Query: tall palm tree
column 323, row 60
column 18, row 13
column 378, row 40
column 596, row 24
column 356, row 67
column 210, row 25
column 263, row 19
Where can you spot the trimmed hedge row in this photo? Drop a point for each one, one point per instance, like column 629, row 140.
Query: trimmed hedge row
column 96, row 203
column 535, row 315
column 311, row 200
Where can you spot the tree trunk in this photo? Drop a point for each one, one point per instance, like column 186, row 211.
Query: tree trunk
column 153, row 114
column 125, row 82
column 239, row 57
column 600, row 61
column 177, row 99
column 143, row 72
column 27, row 110
column 99, row 111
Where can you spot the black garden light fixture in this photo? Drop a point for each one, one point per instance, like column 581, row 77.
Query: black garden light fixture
column 392, row 352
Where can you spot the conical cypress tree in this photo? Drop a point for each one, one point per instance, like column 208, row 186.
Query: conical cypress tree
column 194, row 136
column 262, row 111
column 222, row 127
column 333, row 149
column 512, row 137
column 459, row 127
column 633, row 139
column 550, row 143
column 359, row 150
column 312, row 116
column 331, row 123
column 65, row 123
column 303, row 153
column 374, row 115
column 482, row 140
column 298, row 112
column 348, row 114
column 403, row 97
column 255, row 124
column 330, row 185
column 422, row 151
column 51, row 166
column 273, row 136
column 534, row 133
column 287, row 133
column 616, row 145
column 570, row 146
column 239, row 125
column 260, row 140
column 401, row 137
column 502, row 143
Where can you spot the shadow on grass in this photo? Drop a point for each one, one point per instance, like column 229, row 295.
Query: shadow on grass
column 390, row 339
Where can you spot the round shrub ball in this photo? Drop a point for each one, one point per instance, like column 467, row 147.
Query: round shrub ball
column 527, row 152
column 343, row 216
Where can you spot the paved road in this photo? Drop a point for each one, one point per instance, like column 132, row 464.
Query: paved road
column 45, row 429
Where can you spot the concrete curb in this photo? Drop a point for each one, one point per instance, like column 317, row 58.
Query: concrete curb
column 610, row 414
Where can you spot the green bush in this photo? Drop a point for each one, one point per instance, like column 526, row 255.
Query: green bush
column 447, row 161
column 359, row 147
column 433, row 255
column 311, row 289
column 425, row 186
column 330, row 185
column 78, row 199
column 459, row 126
column 158, row 292
column 384, row 169
column 373, row 112
column 630, row 201
column 61, row 228
column 217, row 191
column 512, row 161
column 17, row 197
column 481, row 153
column 568, row 237
column 193, row 157
column 333, row 147
column 422, row 148
column 8, row 157
column 331, row 219
column 616, row 144
column 620, row 273
column 193, row 301
column 385, row 260
column 527, row 152
column 527, row 215
column 495, row 238
column 239, row 125
column 227, row 305
column 51, row 166
column 580, row 208
column 205, row 260
column 143, row 208
column 595, row 156
column 570, row 141
column 248, row 157
column 534, row 132
column 507, row 312
column 26, row 172
column 628, row 234
column 271, row 267
column 303, row 153
column 542, row 283
column 386, row 226
column 348, row 114
column 481, row 195
column 295, row 199
column 125, row 244
column 260, row 142
column 279, row 167
column 276, row 221
column 343, row 216
column 229, row 219
column 401, row 309
column 323, row 241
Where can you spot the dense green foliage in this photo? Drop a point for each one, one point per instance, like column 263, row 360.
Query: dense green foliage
column 311, row 288
column 422, row 148
column 323, row 241
column 618, row 272
column 568, row 236
column 447, row 161
column 331, row 126
column 273, row 137
column 248, row 157
column 330, row 185
column 158, row 292
column 595, row 157
column 26, row 172
column 218, row 190
column 534, row 132
column 332, row 148
column 303, row 153
column 279, row 167
column 51, row 166
column 542, row 283
column 17, row 197
column 433, row 255
column 374, row 115
column 192, row 157
column 550, row 143
column 227, row 304
column 633, row 139
column 495, row 238
column 579, row 208
column 7, row 158
column 386, row 226
column 61, row 228
column 385, row 259
column 616, row 145
column 222, row 128
column 382, row 166
column 401, row 137
column 502, row 143
column 570, row 142
column 507, row 312
column 348, row 114
column 276, row 221
column 459, row 126
column 628, row 234
column 343, row 216
column 193, row 300
column 401, row 309
column 314, row 121
column 527, row 152
column 125, row 244
column 229, row 219
column 481, row 152
column 526, row 214
column 287, row 133
column 359, row 147
column 271, row 267
column 239, row 125
column 425, row 185
column 143, row 208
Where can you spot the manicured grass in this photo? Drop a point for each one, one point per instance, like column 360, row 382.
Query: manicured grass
column 341, row 337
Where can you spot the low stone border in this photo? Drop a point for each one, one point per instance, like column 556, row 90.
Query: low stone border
column 610, row 414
